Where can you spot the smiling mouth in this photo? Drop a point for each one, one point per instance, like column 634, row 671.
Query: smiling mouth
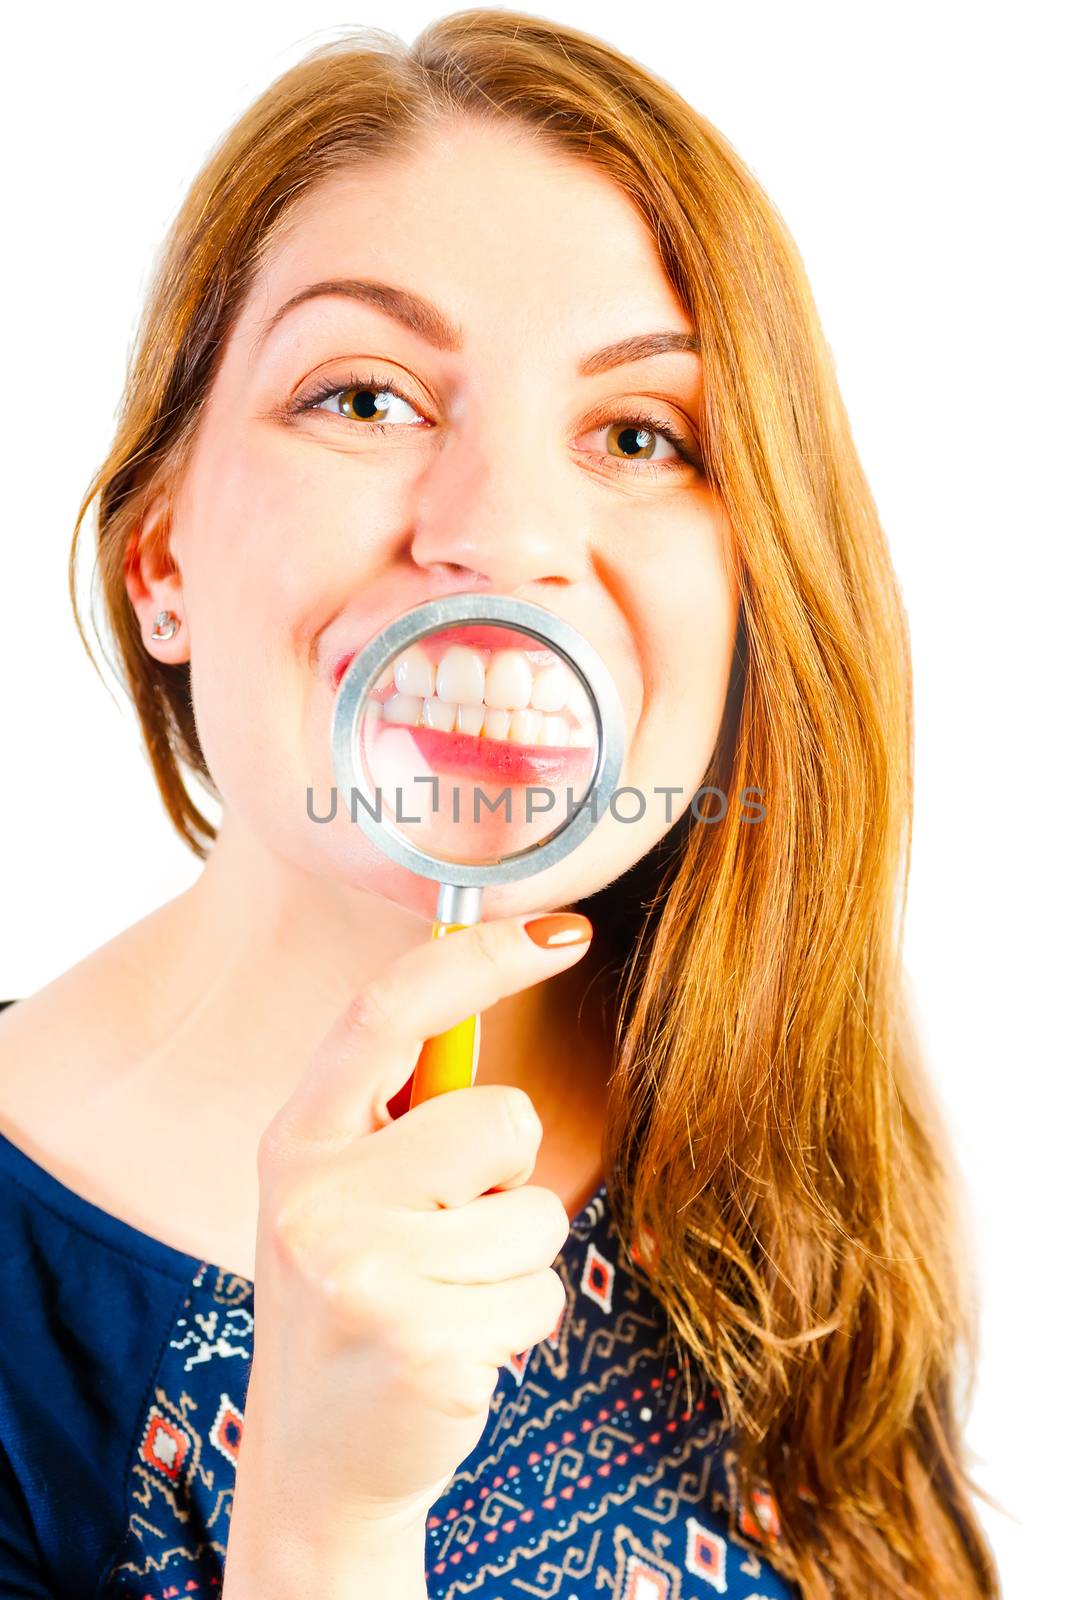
column 453, row 683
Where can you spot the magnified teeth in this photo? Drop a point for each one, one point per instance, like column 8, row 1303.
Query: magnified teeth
column 551, row 687
column 554, row 730
column 525, row 726
column 414, row 674
column 460, row 675
column 508, row 681
column 437, row 713
column 579, row 702
column 385, row 681
column 470, row 718
column 403, row 708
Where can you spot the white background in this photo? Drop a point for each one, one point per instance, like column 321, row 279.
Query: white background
column 913, row 154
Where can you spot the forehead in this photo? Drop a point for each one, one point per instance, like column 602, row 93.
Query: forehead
column 490, row 223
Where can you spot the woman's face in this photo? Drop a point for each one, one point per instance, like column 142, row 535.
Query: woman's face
column 505, row 459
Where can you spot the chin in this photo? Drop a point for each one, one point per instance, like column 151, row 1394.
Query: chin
column 567, row 881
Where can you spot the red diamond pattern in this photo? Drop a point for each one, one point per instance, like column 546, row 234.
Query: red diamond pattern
column 164, row 1446
column 227, row 1430
column 705, row 1555
column 597, row 1279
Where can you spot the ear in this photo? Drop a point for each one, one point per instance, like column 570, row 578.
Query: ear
column 153, row 581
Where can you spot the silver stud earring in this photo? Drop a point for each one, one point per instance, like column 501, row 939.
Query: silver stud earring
column 166, row 625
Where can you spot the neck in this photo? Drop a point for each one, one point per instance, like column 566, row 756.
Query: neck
column 258, row 959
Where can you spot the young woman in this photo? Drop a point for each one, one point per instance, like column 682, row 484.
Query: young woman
column 499, row 312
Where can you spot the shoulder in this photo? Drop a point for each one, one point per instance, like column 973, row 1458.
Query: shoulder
column 71, row 1038
column 52, row 1052
column 64, row 1052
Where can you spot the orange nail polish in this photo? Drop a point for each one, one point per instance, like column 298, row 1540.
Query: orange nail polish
column 558, row 928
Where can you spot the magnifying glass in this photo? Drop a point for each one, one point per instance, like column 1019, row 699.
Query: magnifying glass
column 475, row 739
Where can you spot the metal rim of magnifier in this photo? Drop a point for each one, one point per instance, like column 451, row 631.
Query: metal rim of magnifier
column 367, row 666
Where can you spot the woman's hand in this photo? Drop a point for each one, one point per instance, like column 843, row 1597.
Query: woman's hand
column 390, row 1284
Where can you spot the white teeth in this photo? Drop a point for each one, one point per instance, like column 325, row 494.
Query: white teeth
column 437, row 713
column 551, row 687
column 555, row 730
column 460, row 675
column 508, row 681
column 373, row 710
column 403, row 708
column 525, row 726
column 508, row 701
column 470, row 718
column 414, row 674
column 579, row 702
column 509, row 684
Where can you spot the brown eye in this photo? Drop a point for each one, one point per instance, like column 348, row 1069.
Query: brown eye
column 369, row 405
column 369, row 402
column 649, row 442
column 635, row 442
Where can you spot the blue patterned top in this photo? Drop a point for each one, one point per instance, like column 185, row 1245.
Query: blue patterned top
column 124, row 1366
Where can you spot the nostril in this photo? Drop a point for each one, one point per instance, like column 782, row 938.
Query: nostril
column 452, row 569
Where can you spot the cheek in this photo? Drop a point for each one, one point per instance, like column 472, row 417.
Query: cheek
column 247, row 590
column 711, row 650
column 692, row 613
column 286, row 529
column 273, row 537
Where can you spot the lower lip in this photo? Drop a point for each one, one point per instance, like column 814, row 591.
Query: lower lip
column 468, row 755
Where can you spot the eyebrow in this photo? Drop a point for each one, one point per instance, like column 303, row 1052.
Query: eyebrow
column 431, row 324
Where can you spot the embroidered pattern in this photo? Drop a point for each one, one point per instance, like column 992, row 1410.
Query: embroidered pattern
column 184, row 1467
column 589, row 1478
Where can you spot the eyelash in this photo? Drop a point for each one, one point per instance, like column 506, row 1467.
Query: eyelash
column 326, row 389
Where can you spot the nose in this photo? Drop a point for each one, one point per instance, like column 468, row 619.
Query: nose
column 499, row 513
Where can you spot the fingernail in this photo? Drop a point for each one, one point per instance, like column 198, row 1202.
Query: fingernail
column 558, row 928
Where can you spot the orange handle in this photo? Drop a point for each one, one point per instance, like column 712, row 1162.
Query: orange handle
column 449, row 1060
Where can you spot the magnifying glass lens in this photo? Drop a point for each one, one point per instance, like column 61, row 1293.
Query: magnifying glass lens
column 479, row 742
